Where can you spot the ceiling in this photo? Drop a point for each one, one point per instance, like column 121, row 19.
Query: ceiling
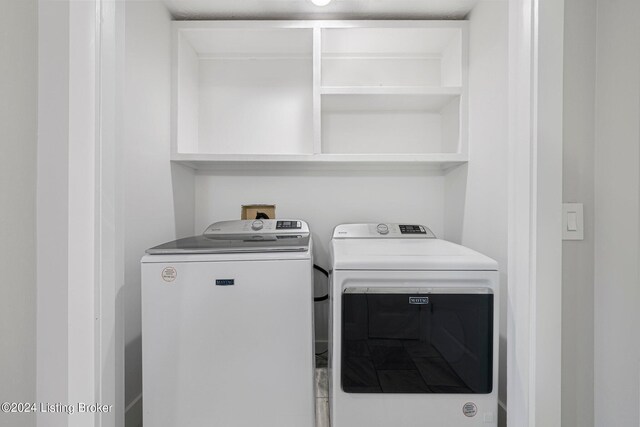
column 304, row 9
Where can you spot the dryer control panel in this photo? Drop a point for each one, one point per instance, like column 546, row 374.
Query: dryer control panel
column 382, row 230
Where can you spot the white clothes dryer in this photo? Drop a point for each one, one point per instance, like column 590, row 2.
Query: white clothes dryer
column 413, row 330
column 227, row 327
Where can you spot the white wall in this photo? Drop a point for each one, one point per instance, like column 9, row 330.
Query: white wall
column 578, row 175
column 477, row 218
column 82, row 203
column 52, row 213
column 546, row 253
column 149, row 216
column 617, row 215
column 18, row 121
column 66, row 209
column 534, row 215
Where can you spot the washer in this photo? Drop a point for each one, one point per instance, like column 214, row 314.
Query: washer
column 413, row 330
column 227, row 327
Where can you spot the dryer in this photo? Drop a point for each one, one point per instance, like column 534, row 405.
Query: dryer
column 227, row 327
column 413, row 330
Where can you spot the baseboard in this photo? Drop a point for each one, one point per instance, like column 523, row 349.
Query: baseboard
column 133, row 413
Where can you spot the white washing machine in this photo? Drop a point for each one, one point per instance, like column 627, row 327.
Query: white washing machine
column 414, row 330
column 227, row 327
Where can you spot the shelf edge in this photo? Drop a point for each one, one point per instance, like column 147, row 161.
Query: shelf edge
column 439, row 161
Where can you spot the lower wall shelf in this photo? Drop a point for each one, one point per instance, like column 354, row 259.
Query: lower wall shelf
column 430, row 161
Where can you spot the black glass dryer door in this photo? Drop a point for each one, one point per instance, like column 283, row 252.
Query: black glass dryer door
column 394, row 342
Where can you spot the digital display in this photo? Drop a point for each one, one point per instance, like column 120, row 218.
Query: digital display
column 412, row 229
column 288, row 225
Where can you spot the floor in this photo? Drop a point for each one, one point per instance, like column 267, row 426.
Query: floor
column 322, row 391
column 322, row 398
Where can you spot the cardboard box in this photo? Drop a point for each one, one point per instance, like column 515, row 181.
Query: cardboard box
column 253, row 211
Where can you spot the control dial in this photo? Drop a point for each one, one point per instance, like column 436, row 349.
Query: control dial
column 257, row 225
column 383, row 228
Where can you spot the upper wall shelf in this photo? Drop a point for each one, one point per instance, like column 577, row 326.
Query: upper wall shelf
column 436, row 161
column 391, row 90
column 321, row 92
column 234, row 9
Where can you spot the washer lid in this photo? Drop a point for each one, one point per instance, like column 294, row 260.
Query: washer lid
column 405, row 254
column 242, row 236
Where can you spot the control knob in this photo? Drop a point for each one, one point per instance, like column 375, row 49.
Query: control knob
column 383, row 228
column 257, row 225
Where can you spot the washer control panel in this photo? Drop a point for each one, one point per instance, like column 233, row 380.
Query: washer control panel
column 256, row 229
column 382, row 230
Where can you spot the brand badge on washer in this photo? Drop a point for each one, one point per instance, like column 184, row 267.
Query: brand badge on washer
column 469, row 409
column 169, row 274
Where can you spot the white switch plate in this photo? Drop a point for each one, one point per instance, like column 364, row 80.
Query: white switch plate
column 572, row 218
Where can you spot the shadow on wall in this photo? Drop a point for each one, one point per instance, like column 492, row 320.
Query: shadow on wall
column 183, row 186
column 321, row 310
column 133, row 381
column 502, row 404
column 454, row 203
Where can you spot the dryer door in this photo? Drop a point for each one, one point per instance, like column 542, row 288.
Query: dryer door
column 412, row 340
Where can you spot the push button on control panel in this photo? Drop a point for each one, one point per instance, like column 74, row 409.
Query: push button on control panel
column 412, row 229
column 383, row 228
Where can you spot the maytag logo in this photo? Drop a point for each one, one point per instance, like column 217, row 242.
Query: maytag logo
column 418, row 300
column 225, row 282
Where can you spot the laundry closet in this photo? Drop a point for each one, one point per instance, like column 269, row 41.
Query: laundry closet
column 334, row 116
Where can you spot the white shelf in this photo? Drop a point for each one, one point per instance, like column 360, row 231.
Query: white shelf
column 386, row 100
column 435, row 161
column 212, row 40
column 352, row 92
column 242, row 90
column 248, row 56
column 384, row 41
column 378, row 56
column 390, row 90
column 392, row 56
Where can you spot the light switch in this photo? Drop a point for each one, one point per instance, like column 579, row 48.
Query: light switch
column 572, row 221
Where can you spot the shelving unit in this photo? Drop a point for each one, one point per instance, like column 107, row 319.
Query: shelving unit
column 321, row 92
column 244, row 90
